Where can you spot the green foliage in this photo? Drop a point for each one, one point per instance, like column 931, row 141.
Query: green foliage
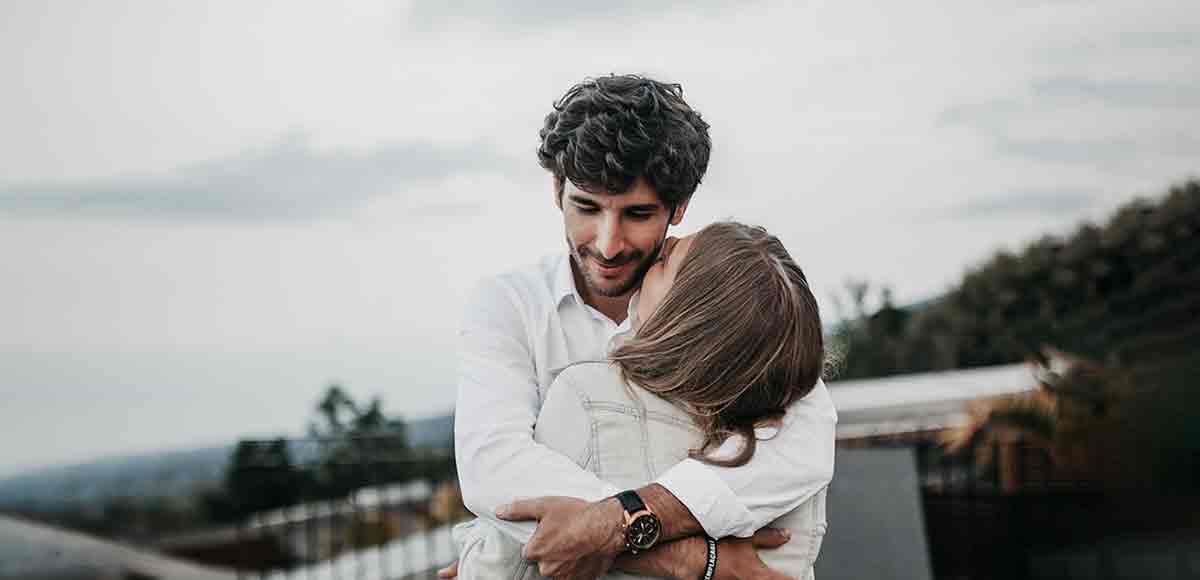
column 868, row 344
column 261, row 476
column 1124, row 292
column 358, row 445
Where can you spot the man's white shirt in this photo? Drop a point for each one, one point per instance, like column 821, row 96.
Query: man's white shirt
column 518, row 331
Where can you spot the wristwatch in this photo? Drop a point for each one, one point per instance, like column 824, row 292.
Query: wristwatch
column 642, row 527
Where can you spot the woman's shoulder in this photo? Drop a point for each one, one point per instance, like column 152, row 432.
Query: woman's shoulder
column 601, row 381
column 589, row 372
column 593, row 381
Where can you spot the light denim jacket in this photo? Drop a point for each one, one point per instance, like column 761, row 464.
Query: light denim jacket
column 626, row 436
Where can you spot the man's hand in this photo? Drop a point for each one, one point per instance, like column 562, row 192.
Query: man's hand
column 686, row 558
column 449, row 572
column 574, row 540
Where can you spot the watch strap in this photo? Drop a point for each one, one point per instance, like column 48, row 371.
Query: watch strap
column 631, row 501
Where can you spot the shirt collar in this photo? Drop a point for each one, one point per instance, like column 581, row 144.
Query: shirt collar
column 564, row 281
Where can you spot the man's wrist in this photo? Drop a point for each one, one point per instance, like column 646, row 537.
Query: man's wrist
column 611, row 512
column 682, row 559
column 693, row 557
column 674, row 517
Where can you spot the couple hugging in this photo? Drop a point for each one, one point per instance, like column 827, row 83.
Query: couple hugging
column 644, row 405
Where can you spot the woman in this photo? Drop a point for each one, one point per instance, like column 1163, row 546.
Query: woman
column 729, row 336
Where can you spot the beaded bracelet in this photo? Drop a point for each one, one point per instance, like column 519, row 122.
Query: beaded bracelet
column 711, row 567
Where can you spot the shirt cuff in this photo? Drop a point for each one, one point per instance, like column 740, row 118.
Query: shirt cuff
column 709, row 498
column 609, row 490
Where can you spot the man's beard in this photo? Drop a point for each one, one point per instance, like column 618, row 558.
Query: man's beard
column 583, row 257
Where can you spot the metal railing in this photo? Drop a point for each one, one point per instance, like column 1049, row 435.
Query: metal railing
column 357, row 507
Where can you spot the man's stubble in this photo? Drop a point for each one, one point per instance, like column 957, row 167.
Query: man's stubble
column 580, row 258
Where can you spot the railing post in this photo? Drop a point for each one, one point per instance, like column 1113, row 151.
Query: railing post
column 308, row 496
column 1021, row 503
column 239, row 533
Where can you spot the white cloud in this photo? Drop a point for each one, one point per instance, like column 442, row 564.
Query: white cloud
column 1119, row 92
column 287, row 180
column 1022, row 203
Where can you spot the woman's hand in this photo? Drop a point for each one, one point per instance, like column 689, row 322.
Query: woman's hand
column 449, row 572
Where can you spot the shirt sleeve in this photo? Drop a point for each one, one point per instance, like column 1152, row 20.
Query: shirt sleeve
column 498, row 460
column 788, row 467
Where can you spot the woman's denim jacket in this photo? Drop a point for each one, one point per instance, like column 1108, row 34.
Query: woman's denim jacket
column 627, row 437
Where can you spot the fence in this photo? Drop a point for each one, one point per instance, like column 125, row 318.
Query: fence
column 360, row 508
column 1002, row 510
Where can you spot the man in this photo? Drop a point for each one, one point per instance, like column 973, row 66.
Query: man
column 626, row 154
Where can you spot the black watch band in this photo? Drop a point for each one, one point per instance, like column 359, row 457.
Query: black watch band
column 631, row 501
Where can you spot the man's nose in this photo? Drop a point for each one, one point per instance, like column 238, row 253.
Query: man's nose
column 609, row 240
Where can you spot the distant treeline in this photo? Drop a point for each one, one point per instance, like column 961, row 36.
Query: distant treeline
column 1124, row 293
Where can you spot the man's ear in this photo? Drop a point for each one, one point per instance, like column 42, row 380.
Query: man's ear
column 677, row 215
column 556, row 188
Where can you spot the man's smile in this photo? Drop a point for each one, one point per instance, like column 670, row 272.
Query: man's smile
column 612, row 268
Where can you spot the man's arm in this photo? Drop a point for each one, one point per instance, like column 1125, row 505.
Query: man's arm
column 571, row 525
column 693, row 497
column 686, row 558
column 786, row 469
column 498, row 460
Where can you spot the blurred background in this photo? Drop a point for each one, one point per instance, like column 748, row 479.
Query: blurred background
column 235, row 238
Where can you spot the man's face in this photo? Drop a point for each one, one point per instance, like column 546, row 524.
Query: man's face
column 614, row 238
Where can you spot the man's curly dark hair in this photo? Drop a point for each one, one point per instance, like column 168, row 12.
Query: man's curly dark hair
column 606, row 132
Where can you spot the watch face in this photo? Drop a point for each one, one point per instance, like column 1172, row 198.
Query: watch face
column 643, row 531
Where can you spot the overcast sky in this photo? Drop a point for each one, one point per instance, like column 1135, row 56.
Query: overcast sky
column 209, row 210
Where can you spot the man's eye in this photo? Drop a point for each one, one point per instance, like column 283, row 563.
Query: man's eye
column 586, row 209
column 641, row 216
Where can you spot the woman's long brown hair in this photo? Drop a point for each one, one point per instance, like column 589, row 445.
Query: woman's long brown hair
column 734, row 342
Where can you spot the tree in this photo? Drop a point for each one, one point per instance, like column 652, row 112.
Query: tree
column 358, row 445
column 868, row 343
column 261, row 476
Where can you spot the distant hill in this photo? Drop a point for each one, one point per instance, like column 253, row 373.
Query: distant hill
column 433, row 432
column 166, row 473
column 150, row 474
